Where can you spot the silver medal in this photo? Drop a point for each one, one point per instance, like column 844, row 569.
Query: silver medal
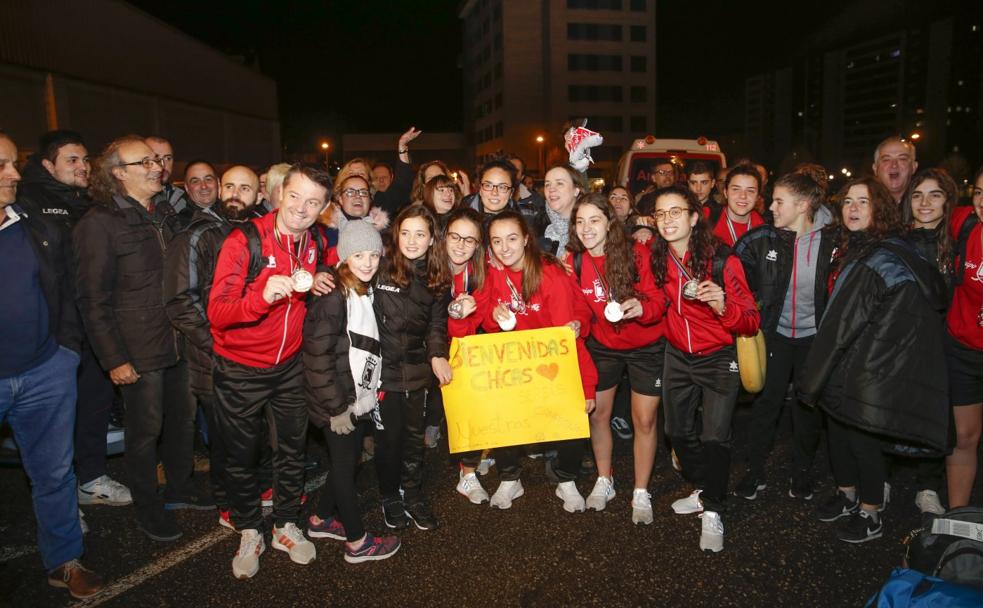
column 613, row 312
column 690, row 288
column 303, row 281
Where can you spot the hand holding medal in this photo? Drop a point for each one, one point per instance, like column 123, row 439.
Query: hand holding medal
column 504, row 317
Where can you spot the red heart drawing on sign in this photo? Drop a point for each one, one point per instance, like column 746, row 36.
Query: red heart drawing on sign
column 548, row 371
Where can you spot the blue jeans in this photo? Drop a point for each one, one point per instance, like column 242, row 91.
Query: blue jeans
column 40, row 404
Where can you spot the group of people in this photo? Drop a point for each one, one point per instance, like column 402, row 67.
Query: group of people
column 271, row 302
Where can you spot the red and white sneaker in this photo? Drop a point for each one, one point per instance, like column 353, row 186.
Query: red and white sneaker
column 292, row 541
column 266, row 498
column 224, row 519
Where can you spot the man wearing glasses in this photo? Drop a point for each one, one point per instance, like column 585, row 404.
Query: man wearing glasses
column 174, row 195
column 120, row 245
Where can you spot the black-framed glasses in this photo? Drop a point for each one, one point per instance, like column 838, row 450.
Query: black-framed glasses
column 489, row 187
column 671, row 213
column 456, row 238
column 353, row 192
column 147, row 162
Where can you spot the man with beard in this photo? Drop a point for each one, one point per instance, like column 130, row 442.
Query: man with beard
column 54, row 187
column 188, row 268
column 169, row 193
column 894, row 164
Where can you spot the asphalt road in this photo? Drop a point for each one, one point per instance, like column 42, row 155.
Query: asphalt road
column 535, row 554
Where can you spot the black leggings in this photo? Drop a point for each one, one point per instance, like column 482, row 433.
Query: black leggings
column 339, row 495
column 857, row 461
column 399, row 448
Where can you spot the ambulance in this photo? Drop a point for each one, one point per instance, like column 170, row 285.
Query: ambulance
column 644, row 154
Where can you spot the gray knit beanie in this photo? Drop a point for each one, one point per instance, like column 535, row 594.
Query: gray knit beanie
column 358, row 235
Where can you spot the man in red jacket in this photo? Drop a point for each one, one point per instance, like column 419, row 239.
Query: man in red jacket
column 256, row 327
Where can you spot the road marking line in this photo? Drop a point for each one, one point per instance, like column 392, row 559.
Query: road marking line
column 128, row 582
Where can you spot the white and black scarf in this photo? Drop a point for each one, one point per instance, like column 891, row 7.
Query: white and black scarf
column 364, row 352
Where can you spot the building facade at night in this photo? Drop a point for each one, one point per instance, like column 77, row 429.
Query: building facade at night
column 531, row 65
column 139, row 75
column 855, row 86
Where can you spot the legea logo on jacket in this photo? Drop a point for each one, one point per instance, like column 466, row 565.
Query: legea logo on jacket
column 55, row 211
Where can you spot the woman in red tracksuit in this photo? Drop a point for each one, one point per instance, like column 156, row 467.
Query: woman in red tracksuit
column 964, row 347
column 701, row 377
column 614, row 275
column 533, row 292
column 466, row 256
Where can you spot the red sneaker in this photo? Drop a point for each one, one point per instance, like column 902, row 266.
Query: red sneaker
column 267, row 498
column 224, row 520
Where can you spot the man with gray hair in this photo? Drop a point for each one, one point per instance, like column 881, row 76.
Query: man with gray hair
column 274, row 185
column 894, row 164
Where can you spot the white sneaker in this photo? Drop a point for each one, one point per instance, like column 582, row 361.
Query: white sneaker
column 484, row 465
column 676, row 465
column 507, row 492
column 690, row 504
column 573, row 502
column 289, row 538
column 641, row 507
column 887, row 497
column 712, row 534
column 928, row 501
column 468, row 485
column 602, row 493
column 245, row 564
column 104, row 490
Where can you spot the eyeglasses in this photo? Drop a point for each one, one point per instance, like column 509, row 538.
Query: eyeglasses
column 147, row 162
column 618, row 199
column 352, row 193
column 489, row 187
column 672, row 213
column 455, row 238
column 167, row 158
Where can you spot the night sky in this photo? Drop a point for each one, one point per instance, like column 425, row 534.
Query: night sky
column 384, row 65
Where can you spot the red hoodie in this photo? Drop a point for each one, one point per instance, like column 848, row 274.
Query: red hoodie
column 624, row 335
column 722, row 229
column 553, row 305
column 246, row 329
column 468, row 326
column 967, row 299
column 693, row 327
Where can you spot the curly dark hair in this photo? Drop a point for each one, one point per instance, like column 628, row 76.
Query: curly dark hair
column 399, row 270
column 942, row 234
column 702, row 243
column 620, row 271
column 885, row 220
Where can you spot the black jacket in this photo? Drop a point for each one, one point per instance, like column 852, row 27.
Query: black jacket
column 766, row 254
column 53, row 249
column 397, row 195
column 327, row 370
column 926, row 243
column 877, row 362
column 120, row 279
column 189, row 265
column 412, row 329
column 41, row 194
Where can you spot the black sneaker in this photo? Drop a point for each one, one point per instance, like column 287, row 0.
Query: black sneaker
column 837, row 506
column 195, row 502
column 159, row 525
column 861, row 527
column 394, row 514
column 421, row 515
column 750, row 486
column 800, row 487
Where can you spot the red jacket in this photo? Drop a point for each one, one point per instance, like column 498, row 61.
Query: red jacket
column 553, row 305
column 246, row 329
column 693, row 327
column 468, row 326
column 967, row 299
column 722, row 231
column 624, row 335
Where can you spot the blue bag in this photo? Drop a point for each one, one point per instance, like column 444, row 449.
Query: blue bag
column 910, row 588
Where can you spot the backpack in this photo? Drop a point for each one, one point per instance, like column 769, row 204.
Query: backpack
column 255, row 246
column 951, row 549
column 910, row 588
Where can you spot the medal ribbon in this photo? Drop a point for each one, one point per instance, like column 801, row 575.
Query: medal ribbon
column 466, row 282
column 604, row 284
column 304, row 242
column 516, row 296
column 679, row 265
column 730, row 228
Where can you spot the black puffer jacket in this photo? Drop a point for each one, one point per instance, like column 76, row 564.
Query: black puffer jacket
column 877, row 362
column 120, row 279
column 412, row 328
column 189, row 265
column 767, row 255
column 327, row 370
column 41, row 194
column 926, row 243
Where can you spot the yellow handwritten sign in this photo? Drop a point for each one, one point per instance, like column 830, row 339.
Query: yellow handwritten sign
column 514, row 388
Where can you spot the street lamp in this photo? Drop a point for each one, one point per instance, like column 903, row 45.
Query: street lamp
column 326, row 147
column 542, row 154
